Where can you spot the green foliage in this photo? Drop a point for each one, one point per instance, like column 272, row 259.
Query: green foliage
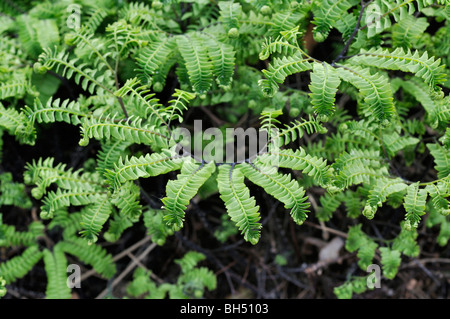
column 191, row 282
column 347, row 129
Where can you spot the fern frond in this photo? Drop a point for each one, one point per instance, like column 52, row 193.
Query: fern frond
column 279, row 69
column 90, row 80
column 441, row 159
column 379, row 194
column 177, row 105
column 140, row 94
column 421, row 92
column 406, row 242
column 324, row 84
column 415, row 201
column 13, row 88
column 94, row 217
column 230, row 12
column 222, row 56
column 18, row 266
column 427, row 68
column 241, row 208
column 299, row 160
column 179, row 192
column 198, row 65
column 110, row 154
column 131, row 130
column 156, row 226
column 281, row 187
column 127, row 200
column 152, row 57
column 357, row 240
column 356, row 174
column 9, row 236
column 390, row 261
column 395, row 143
column 55, row 111
column 95, row 47
column 408, row 31
column 60, row 198
column 16, row 123
column 296, row 131
column 93, row 255
column 374, row 88
column 280, row 45
column 143, row 166
column 56, row 270
column 327, row 13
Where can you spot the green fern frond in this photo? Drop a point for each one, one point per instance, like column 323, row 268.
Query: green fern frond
column 9, row 236
column 93, row 255
column 94, row 216
column 95, row 47
column 441, row 159
column 415, row 202
column 55, row 111
column 280, row 45
column 178, row 104
column 127, row 200
column 110, row 154
column 380, row 192
column 17, row 267
column 374, row 88
column 222, row 56
column 279, row 69
column 421, row 92
column 198, row 65
column 295, row 131
column 56, row 270
column 17, row 124
column 60, row 198
column 299, row 160
column 143, row 166
column 408, row 31
column 131, row 130
column 324, row 84
column 421, row 65
column 14, row 88
column 179, row 192
column 241, row 208
column 327, row 13
column 152, row 57
column 282, row 187
column 230, row 13
column 98, row 81
column 357, row 240
column 141, row 96
column 156, row 226
column 390, row 261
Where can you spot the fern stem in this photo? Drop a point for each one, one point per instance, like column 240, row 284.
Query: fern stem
column 352, row 36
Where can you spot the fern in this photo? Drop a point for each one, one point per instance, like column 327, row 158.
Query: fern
column 429, row 69
column 378, row 98
column 55, row 267
column 327, row 13
column 93, row 219
column 181, row 191
column 198, row 66
column 415, row 201
column 324, row 84
column 93, row 255
column 17, row 267
column 241, row 207
column 279, row 69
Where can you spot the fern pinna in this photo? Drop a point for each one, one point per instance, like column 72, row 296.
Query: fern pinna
column 129, row 77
